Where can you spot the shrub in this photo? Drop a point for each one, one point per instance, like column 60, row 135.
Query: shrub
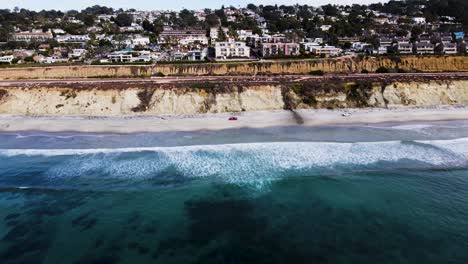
column 364, row 71
column 382, row 70
column 317, row 73
column 159, row 74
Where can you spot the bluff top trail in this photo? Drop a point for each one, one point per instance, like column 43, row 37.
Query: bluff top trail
column 282, row 67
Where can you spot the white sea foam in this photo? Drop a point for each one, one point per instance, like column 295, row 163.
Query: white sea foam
column 412, row 127
column 246, row 162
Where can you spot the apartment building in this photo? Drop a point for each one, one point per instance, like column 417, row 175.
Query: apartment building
column 231, row 49
column 326, row 50
column 450, row 48
column 32, row 36
column 174, row 36
column 424, row 48
column 279, row 49
column 405, row 48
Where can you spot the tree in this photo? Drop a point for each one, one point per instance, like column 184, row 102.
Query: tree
column 147, row 26
column 252, row 7
column 88, row 20
column 330, row 10
column 158, row 27
column 123, row 20
column 221, row 34
column 187, row 18
column 212, row 20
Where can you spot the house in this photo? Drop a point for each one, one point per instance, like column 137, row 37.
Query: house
column 244, row 34
column 32, row 36
column 214, row 32
column 142, row 58
column 197, row 55
column 450, row 48
column 94, row 29
column 382, row 20
column 193, row 40
column 385, row 42
column 6, row 59
column 23, row 54
column 359, row 46
column 446, row 39
column 308, row 46
column 174, row 36
column 139, row 40
column 120, row 56
column 75, row 39
column 419, row 20
column 53, row 59
column 424, row 48
column 255, row 41
column 402, row 40
column 313, row 40
column 325, row 27
column 425, row 39
column 279, row 49
column 77, row 53
column 231, row 49
column 382, row 50
column 404, row 48
column 348, row 39
column 326, row 50
column 58, row 31
column 177, row 56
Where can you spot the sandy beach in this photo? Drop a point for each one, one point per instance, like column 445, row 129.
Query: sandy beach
column 261, row 119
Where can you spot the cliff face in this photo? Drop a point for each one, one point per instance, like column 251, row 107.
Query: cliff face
column 341, row 65
column 140, row 99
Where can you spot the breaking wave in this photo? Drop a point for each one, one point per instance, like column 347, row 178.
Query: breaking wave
column 242, row 162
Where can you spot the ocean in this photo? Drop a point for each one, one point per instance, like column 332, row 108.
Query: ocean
column 386, row 193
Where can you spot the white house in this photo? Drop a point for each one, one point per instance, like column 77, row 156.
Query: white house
column 77, row 53
column 6, row 59
column 385, row 42
column 197, row 55
column 58, row 31
column 419, row 20
column 308, row 46
column 119, row 56
column 244, row 34
column 325, row 27
column 72, row 38
column 446, row 39
column 193, row 39
column 405, row 48
column 359, row 46
column 214, row 32
column 139, row 40
column 450, row 48
column 53, row 59
column 424, row 48
column 382, row 50
column 231, row 49
column 31, row 36
column 326, row 50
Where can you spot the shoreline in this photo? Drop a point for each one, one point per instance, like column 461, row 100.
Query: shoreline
column 213, row 122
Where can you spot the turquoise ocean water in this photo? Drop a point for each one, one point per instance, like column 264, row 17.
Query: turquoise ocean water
column 388, row 193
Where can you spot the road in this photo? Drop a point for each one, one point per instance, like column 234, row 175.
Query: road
column 234, row 79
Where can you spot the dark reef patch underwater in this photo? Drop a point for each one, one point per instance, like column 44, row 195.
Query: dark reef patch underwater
column 348, row 194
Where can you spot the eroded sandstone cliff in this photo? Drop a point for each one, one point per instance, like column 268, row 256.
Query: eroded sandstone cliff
column 143, row 98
